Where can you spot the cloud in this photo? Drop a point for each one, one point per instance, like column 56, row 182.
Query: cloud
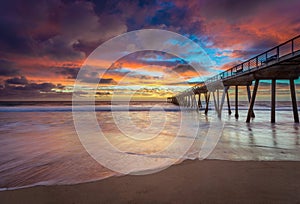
column 57, row 29
column 92, row 77
column 107, row 81
column 229, row 65
column 21, row 88
column 182, row 68
column 231, row 10
column 17, row 80
column 103, row 93
column 47, row 41
column 146, row 58
column 70, row 73
column 7, row 68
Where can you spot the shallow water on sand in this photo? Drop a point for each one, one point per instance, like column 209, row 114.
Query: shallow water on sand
column 39, row 144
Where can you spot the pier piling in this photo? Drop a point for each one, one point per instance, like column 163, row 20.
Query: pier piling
column 228, row 103
column 273, row 101
column 207, row 96
column 236, row 102
column 294, row 101
column 252, row 100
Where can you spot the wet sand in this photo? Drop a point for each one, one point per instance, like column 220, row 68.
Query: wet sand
column 209, row 181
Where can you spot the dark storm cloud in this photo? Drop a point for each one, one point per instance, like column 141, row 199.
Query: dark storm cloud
column 230, row 9
column 17, row 80
column 46, row 87
column 20, row 87
column 177, row 18
column 60, row 30
column 168, row 15
column 86, row 76
column 236, row 10
column 32, row 87
column 11, row 41
column 257, row 47
column 7, row 68
column 22, row 21
column 106, row 93
column 66, row 31
column 107, row 81
column 148, row 57
column 92, row 77
column 264, row 44
column 182, row 68
column 70, row 73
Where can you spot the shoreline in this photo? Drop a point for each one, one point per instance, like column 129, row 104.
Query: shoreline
column 190, row 181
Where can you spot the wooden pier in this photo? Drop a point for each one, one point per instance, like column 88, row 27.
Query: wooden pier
column 279, row 63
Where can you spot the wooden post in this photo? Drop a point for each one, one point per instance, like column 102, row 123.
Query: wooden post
column 186, row 101
column 273, row 100
column 252, row 100
column 228, row 103
column 207, row 96
column 199, row 101
column 215, row 102
column 294, row 101
column 218, row 100
column 181, row 100
column 249, row 98
column 236, row 102
column 195, row 102
column 222, row 101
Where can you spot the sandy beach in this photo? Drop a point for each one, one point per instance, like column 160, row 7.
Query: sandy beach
column 208, row 181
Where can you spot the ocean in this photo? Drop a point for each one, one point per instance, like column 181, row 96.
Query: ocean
column 40, row 145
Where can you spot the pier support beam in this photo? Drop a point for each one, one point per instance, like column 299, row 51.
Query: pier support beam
column 207, row 96
column 215, row 102
column 236, row 102
column 249, row 98
column 250, row 110
column 222, row 100
column 199, row 101
column 195, row 102
column 294, row 101
column 218, row 98
column 273, row 100
column 228, row 102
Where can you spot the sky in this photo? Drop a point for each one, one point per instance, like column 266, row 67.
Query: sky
column 43, row 44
